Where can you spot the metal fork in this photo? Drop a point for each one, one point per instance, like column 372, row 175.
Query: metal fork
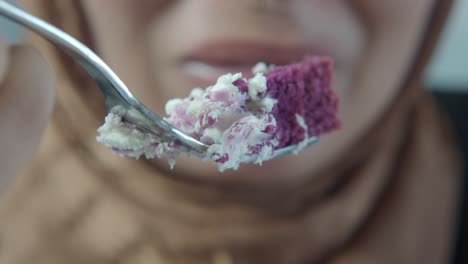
column 114, row 90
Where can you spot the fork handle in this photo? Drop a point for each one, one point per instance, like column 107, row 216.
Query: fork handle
column 115, row 91
column 85, row 56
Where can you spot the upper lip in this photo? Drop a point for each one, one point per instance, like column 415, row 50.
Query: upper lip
column 248, row 53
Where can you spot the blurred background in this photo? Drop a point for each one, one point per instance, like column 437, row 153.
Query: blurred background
column 448, row 70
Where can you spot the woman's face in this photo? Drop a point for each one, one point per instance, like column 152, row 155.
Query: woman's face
column 163, row 48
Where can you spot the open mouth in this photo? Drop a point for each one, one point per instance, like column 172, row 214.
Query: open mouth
column 205, row 63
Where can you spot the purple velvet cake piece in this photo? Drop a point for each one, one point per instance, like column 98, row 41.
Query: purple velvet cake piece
column 303, row 89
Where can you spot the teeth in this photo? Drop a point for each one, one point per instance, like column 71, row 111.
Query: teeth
column 201, row 69
column 212, row 72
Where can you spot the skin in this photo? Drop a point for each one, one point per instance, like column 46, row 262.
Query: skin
column 27, row 96
column 371, row 42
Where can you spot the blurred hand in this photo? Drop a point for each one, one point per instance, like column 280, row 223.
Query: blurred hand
column 26, row 101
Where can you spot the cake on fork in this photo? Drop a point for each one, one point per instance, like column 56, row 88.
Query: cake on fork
column 240, row 118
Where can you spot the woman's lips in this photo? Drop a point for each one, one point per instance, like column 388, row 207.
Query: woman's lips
column 205, row 63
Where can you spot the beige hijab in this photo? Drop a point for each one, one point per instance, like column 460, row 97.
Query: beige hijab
column 77, row 205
